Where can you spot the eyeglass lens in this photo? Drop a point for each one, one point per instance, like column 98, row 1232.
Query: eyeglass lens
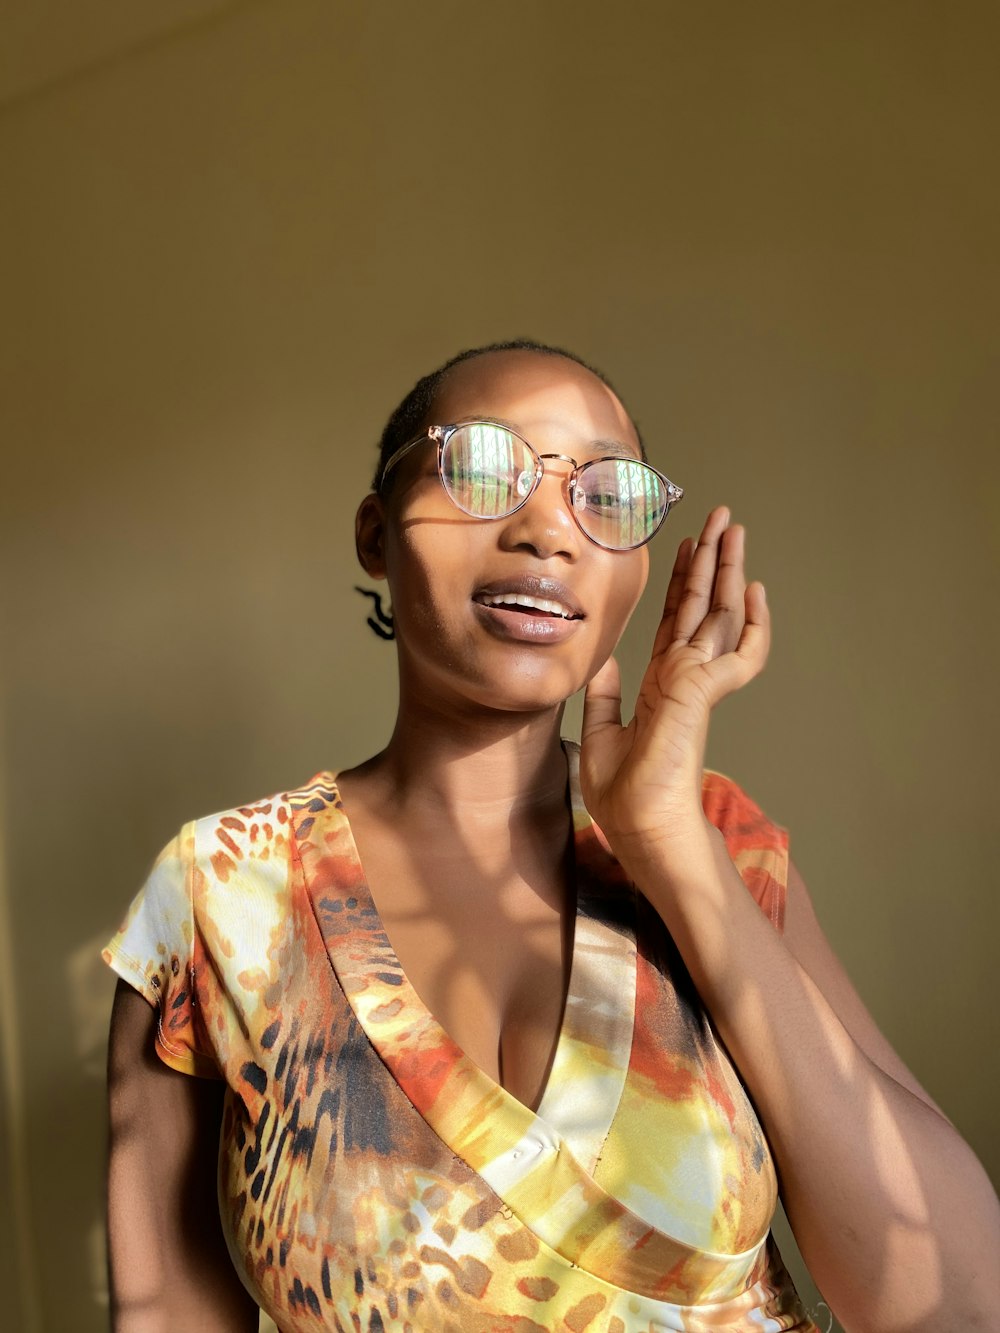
column 488, row 471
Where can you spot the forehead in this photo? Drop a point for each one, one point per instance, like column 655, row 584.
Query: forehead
column 556, row 403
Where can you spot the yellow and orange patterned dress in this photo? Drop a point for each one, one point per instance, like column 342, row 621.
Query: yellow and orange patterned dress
column 372, row 1177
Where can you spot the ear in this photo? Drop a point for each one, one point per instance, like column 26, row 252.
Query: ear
column 369, row 536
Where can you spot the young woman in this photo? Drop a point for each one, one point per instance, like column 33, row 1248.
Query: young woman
column 502, row 1033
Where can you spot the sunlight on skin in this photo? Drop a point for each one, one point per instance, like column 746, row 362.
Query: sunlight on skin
column 896, row 1167
column 753, row 1002
column 846, row 1055
column 903, row 1244
column 753, row 1005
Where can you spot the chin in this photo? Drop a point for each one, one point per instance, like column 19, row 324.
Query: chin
column 511, row 680
column 530, row 689
column 533, row 703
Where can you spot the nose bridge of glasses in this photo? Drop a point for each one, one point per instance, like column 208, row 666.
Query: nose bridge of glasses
column 565, row 478
column 562, row 475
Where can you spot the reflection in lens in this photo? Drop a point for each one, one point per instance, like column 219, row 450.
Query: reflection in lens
column 624, row 502
column 484, row 468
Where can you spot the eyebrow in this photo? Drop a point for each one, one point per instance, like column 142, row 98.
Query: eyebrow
column 617, row 448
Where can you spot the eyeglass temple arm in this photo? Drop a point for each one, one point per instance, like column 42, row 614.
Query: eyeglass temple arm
column 433, row 433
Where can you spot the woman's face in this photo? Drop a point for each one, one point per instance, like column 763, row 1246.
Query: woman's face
column 446, row 569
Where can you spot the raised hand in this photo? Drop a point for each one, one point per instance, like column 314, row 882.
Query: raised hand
column 642, row 782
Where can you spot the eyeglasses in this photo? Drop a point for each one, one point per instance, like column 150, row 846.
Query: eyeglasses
column 489, row 471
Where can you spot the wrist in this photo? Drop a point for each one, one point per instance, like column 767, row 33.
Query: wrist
column 672, row 854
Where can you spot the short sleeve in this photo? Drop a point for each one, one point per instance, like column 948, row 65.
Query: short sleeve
column 156, row 951
column 757, row 845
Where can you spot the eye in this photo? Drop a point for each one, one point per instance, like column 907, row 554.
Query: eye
column 596, row 498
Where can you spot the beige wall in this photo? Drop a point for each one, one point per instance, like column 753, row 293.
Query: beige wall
column 231, row 246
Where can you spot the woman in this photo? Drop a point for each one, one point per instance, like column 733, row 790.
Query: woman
column 541, row 1064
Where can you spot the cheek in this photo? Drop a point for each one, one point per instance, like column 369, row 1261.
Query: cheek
column 622, row 592
column 410, row 585
column 626, row 589
column 426, row 572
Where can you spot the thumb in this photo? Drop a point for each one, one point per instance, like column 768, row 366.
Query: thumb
column 602, row 702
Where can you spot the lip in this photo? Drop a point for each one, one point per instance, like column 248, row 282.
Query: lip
column 532, row 585
column 522, row 626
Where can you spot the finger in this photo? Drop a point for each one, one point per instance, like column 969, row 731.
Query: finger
column 755, row 640
column 755, row 637
column 602, row 702
column 665, row 629
column 696, row 594
column 735, row 669
column 719, row 631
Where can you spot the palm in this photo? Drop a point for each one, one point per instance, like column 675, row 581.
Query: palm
column 640, row 780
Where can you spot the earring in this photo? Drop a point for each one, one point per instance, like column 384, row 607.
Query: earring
column 381, row 622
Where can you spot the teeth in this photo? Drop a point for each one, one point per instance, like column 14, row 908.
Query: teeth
column 531, row 603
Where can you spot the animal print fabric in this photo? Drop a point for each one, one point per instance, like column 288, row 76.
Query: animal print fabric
column 373, row 1178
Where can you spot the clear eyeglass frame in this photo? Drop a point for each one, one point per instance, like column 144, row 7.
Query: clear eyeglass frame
column 440, row 435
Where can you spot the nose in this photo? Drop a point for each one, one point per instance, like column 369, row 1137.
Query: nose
column 544, row 524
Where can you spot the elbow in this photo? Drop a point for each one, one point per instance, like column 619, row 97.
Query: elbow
column 939, row 1283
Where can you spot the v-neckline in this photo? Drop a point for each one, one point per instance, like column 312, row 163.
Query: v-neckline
column 425, row 1021
column 590, row 1059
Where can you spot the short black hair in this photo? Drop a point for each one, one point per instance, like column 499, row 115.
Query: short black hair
column 412, row 413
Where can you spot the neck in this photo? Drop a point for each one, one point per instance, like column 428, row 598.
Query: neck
column 484, row 768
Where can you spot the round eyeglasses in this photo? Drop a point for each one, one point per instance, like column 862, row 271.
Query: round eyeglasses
column 489, row 471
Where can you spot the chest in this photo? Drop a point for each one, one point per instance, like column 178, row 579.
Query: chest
column 488, row 954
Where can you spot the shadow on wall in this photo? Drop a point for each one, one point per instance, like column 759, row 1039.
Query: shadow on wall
column 88, row 997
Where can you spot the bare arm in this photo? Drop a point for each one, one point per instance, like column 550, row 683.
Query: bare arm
column 169, row 1266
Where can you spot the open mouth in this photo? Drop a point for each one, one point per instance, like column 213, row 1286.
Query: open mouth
column 525, row 605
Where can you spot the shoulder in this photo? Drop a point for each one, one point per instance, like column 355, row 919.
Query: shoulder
column 757, row 845
column 242, row 874
column 736, row 814
column 237, row 866
column 224, row 842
